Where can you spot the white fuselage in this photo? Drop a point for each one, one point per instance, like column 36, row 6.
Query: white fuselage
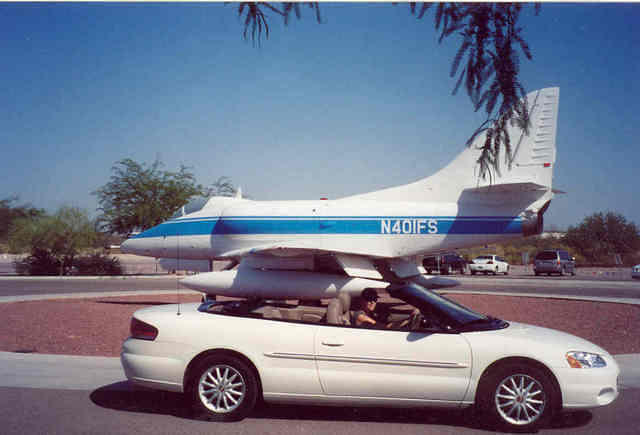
column 358, row 227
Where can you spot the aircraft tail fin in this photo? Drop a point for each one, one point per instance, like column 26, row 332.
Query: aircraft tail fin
column 529, row 167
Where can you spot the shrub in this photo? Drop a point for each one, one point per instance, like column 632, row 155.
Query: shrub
column 42, row 262
column 97, row 264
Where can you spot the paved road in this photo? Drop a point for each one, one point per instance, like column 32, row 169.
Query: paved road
column 121, row 409
column 627, row 290
column 17, row 286
column 561, row 286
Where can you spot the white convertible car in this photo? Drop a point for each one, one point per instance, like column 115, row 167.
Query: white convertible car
column 225, row 356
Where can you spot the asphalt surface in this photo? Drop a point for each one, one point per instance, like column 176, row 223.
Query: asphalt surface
column 578, row 287
column 116, row 409
column 20, row 286
column 105, row 404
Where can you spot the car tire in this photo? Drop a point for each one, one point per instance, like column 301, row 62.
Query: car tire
column 506, row 271
column 223, row 388
column 517, row 397
column 473, row 272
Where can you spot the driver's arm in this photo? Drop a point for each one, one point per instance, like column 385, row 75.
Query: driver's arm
column 362, row 318
column 406, row 321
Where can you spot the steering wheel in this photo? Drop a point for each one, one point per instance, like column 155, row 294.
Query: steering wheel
column 417, row 321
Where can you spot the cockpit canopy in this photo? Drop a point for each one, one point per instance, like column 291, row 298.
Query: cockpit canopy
column 194, row 205
column 200, row 203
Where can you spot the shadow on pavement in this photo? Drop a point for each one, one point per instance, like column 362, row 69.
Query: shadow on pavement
column 124, row 396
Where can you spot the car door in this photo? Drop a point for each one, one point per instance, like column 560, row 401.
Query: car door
column 392, row 364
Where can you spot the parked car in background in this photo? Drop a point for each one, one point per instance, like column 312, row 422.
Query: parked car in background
column 489, row 264
column 554, row 261
column 445, row 264
column 635, row 271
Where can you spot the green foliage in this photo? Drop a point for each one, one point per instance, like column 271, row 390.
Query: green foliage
column 600, row 236
column 487, row 62
column 97, row 264
column 61, row 236
column 140, row 197
column 221, row 187
column 42, row 262
column 10, row 213
column 255, row 20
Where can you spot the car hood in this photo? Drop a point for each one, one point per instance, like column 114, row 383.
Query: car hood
column 551, row 337
column 536, row 342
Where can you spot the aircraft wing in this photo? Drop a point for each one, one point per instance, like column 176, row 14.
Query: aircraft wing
column 279, row 249
column 298, row 255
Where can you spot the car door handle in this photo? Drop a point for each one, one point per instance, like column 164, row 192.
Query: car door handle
column 332, row 343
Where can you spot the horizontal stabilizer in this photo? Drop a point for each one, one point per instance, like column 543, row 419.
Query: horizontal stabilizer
column 508, row 188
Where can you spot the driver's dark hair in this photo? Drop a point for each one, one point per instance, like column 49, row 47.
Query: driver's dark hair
column 369, row 294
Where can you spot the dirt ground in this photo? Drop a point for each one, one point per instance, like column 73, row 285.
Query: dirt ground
column 98, row 326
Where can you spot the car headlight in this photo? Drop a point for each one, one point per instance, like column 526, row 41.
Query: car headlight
column 580, row 360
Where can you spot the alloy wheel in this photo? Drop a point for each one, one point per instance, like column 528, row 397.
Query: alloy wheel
column 520, row 399
column 221, row 389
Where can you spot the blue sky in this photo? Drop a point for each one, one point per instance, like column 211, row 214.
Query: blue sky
column 360, row 102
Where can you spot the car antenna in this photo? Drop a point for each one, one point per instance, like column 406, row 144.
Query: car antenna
column 177, row 269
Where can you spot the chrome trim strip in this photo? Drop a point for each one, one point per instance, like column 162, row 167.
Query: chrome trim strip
column 388, row 361
column 288, row 355
column 353, row 359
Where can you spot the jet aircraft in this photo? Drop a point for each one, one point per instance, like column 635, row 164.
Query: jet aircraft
column 316, row 249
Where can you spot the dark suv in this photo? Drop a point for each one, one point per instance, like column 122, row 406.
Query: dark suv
column 554, row 261
column 445, row 264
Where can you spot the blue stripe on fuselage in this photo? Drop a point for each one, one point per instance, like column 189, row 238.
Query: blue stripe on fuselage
column 337, row 225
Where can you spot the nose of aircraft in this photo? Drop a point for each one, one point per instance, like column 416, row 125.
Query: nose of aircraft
column 127, row 247
column 135, row 246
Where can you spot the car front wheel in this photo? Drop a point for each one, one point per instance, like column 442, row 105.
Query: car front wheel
column 517, row 397
column 223, row 388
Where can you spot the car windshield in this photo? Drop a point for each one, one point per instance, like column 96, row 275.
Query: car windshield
column 546, row 256
column 484, row 257
column 431, row 302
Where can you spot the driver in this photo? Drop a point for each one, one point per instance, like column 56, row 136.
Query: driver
column 367, row 316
